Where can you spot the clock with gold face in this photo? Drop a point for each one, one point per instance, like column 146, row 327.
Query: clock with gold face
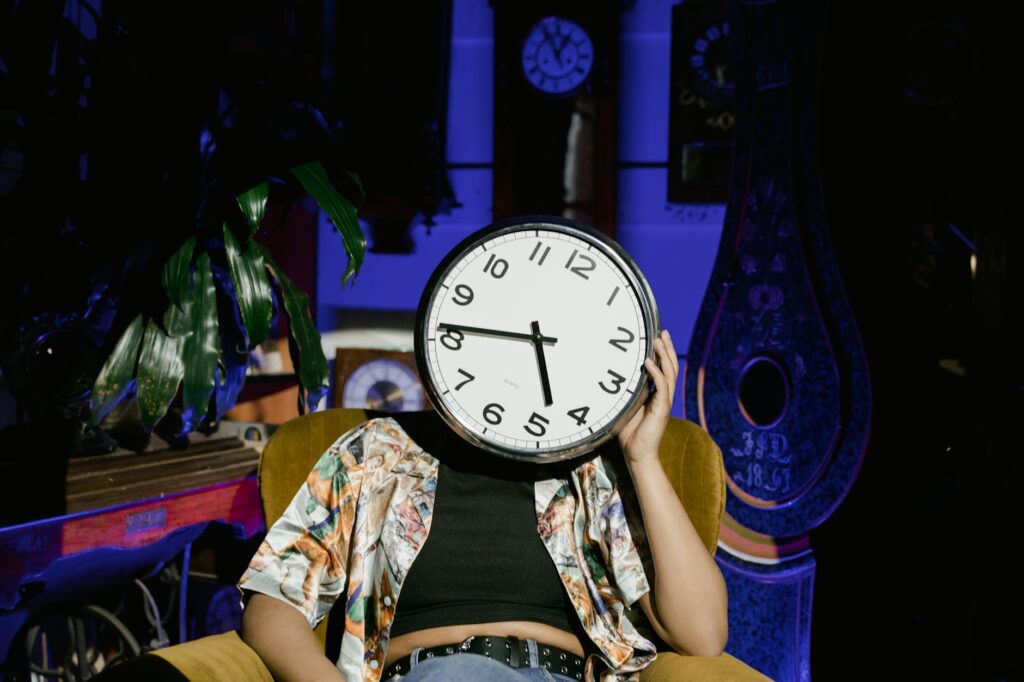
column 532, row 336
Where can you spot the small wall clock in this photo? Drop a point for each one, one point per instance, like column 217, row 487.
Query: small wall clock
column 531, row 338
column 377, row 379
column 557, row 56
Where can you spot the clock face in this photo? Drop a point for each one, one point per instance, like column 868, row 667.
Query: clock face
column 383, row 385
column 531, row 339
column 557, row 56
column 710, row 57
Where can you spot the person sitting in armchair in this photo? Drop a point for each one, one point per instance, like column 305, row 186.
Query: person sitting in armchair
column 528, row 571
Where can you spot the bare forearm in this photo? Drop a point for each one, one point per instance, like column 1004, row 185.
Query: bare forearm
column 285, row 642
column 689, row 598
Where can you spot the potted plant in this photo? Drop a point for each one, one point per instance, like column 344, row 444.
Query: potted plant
column 140, row 173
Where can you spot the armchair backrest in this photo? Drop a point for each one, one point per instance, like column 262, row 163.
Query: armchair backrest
column 690, row 458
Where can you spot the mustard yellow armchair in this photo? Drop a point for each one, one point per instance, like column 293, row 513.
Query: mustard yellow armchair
column 690, row 458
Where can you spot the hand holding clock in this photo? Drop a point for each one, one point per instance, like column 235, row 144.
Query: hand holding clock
column 641, row 437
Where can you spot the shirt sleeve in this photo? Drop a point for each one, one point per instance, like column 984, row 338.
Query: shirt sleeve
column 302, row 559
column 623, row 540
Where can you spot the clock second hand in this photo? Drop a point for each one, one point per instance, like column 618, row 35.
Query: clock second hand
column 496, row 332
column 538, row 345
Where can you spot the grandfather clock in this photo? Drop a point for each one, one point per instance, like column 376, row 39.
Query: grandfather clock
column 554, row 109
column 776, row 371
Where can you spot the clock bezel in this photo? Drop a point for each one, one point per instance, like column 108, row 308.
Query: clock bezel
column 618, row 256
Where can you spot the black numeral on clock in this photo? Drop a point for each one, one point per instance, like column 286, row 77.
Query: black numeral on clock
column 469, row 378
column 621, row 343
column 452, row 339
column 497, row 267
column 579, row 414
column 547, row 250
column 492, row 413
column 581, row 270
column 616, row 386
column 463, row 295
column 539, row 422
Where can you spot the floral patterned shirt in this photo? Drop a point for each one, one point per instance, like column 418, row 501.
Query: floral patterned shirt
column 354, row 529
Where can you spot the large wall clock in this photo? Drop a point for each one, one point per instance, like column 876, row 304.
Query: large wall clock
column 532, row 336
column 554, row 110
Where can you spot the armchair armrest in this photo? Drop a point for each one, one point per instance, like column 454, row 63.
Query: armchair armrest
column 673, row 667
column 215, row 658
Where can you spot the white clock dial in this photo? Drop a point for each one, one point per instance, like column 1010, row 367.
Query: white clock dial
column 533, row 339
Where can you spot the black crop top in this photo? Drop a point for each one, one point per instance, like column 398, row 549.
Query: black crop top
column 483, row 560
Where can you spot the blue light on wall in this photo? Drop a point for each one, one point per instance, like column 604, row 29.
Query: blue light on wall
column 395, row 282
column 674, row 244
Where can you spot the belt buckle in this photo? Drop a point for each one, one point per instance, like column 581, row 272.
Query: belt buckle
column 464, row 644
column 513, row 658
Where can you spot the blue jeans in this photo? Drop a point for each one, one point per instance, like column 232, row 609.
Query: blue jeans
column 475, row 668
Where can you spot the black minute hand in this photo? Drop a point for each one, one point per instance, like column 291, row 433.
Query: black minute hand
column 495, row 332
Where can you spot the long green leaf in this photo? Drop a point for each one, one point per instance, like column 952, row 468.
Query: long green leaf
column 342, row 212
column 177, row 317
column 359, row 185
column 251, row 287
column 116, row 375
column 254, row 204
column 202, row 347
column 176, row 275
column 160, row 371
column 310, row 363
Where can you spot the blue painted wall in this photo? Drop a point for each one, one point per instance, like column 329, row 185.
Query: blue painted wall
column 673, row 244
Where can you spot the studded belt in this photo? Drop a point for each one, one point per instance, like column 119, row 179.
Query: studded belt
column 512, row 651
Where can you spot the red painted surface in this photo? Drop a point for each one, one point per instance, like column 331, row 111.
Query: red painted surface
column 29, row 548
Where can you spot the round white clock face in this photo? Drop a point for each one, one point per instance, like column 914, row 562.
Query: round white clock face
column 383, row 385
column 531, row 339
column 557, row 56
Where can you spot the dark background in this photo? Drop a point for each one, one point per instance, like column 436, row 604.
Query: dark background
column 915, row 578
column 915, row 572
